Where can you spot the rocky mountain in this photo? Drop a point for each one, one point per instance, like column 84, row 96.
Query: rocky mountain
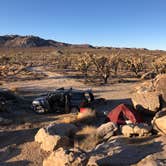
column 16, row 41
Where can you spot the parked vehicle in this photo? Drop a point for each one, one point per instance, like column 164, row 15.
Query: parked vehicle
column 63, row 101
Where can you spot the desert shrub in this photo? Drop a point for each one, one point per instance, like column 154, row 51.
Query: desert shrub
column 135, row 63
column 115, row 60
column 83, row 64
column 159, row 64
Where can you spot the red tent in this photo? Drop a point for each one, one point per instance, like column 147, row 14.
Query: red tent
column 121, row 113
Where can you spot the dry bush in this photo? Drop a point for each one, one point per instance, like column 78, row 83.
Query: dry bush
column 159, row 65
column 69, row 119
column 135, row 63
column 83, row 64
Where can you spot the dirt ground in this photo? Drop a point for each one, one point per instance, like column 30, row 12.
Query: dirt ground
column 17, row 146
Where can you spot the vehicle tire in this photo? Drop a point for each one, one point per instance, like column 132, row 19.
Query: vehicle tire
column 40, row 110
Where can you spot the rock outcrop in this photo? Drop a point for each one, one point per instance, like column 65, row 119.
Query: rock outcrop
column 63, row 157
column 50, row 142
column 146, row 101
column 127, row 151
column 160, row 85
column 55, row 136
column 157, row 158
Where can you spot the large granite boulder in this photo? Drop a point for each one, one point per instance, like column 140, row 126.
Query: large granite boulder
column 55, row 136
column 160, row 85
column 50, row 142
column 71, row 157
column 146, row 101
column 159, row 121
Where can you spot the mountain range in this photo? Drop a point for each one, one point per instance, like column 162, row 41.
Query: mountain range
column 17, row 41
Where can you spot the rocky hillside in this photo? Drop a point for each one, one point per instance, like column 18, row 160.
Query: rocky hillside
column 16, row 41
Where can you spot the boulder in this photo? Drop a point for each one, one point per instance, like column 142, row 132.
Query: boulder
column 62, row 129
column 160, row 85
column 63, row 157
column 50, row 142
column 54, row 142
column 159, row 121
column 146, row 101
column 105, row 131
column 140, row 129
column 41, row 135
column 127, row 130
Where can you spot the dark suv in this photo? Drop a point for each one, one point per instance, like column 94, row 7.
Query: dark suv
column 62, row 101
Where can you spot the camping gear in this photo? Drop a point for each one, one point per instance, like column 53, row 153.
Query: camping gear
column 122, row 115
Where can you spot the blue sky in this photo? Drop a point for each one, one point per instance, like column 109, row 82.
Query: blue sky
column 120, row 23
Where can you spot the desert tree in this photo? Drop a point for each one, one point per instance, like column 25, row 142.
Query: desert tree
column 102, row 65
column 159, row 64
column 134, row 63
column 115, row 61
column 83, row 64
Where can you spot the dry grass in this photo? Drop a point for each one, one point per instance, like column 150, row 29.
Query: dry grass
column 86, row 138
column 71, row 118
column 86, row 116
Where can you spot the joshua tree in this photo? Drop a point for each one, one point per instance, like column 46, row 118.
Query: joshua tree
column 159, row 65
column 84, row 64
column 135, row 63
column 103, row 66
column 115, row 60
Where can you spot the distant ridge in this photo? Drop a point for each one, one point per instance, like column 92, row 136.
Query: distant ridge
column 17, row 41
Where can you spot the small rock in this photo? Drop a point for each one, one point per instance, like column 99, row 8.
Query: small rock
column 140, row 130
column 127, row 130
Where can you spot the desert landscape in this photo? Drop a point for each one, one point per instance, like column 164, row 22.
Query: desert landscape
column 121, row 79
